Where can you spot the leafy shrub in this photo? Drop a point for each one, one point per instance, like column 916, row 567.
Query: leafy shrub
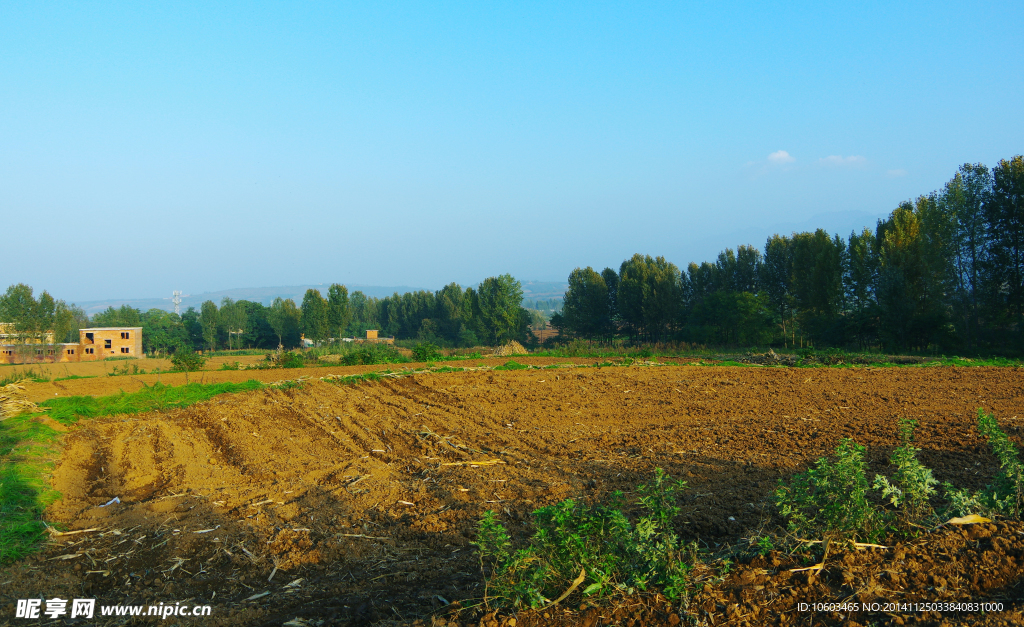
column 512, row 364
column 377, row 353
column 187, row 360
column 290, row 360
column 1005, row 495
column 426, row 352
column 230, row 365
column 832, row 498
column 913, row 484
column 596, row 542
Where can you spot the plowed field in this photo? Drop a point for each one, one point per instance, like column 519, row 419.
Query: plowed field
column 356, row 504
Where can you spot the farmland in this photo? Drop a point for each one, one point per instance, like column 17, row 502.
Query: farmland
column 354, row 504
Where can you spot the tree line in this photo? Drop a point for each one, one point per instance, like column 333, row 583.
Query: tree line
column 944, row 271
column 491, row 313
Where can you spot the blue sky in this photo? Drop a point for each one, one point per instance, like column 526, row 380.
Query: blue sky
column 146, row 147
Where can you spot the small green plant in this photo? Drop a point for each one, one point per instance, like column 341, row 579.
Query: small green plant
column 290, row 360
column 30, row 373
column 1005, row 495
column 512, row 365
column 187, row 360
column 125, row 370
column 765, row 545
column 913, row 484
column 232, row 365
column 377, row 353
column 1007, row 490
column 426, row 352
column 613, row 554
column 831, row 499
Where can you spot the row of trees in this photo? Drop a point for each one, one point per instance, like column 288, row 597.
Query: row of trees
column 943, row 271
column 490, row 313
column 33, row 318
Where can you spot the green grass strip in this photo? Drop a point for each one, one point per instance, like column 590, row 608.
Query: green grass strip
column 69, row 409
column 29, row 449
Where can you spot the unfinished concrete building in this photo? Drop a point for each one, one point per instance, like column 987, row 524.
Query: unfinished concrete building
column 93, row 345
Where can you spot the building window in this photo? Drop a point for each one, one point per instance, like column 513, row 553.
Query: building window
column 106, row 343
column 71, row 351
column 124, row 335
column 125, row 349
column 89, row 337
column 89, row 351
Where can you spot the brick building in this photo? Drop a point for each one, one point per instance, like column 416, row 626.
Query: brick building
column 93, row 345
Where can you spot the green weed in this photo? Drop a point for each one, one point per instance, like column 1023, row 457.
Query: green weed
column 127, row 369
column 831, row 499
column 512, row 365
column 1005, row 495
column 186, row 360
column 913, row 484
column 22, row 374
column 613, row 554
column 426, row 352
column 368, row 354
column 353, row 379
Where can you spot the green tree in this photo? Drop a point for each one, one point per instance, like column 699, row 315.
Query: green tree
column 163, row 332
column 66, row 322
column 909, row 286
column 965, row 195
column 1005, row 217
column 338, row 311
column 209, row 317
column 818, row 269
column 727, row 317
column 499, row 301
column 448, row 312
column 18, row 307
column 283, row 318
column 861, row 286
column 776, row 277
column 585, row 311
column 233, row 320
column 314, row 321
column 611, row 280
column 649, row 296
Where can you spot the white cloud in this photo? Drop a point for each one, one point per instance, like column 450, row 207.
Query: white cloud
column 840, row 161
column 895, row 174
column 780, row 157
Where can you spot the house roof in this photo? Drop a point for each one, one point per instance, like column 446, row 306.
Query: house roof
column 113, row 329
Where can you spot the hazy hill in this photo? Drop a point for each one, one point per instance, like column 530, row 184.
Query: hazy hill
column 531, row 290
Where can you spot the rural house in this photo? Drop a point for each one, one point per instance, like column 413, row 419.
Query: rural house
column 93, row 345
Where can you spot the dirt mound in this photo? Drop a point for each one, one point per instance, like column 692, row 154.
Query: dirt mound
column 511, row 348
column 356, row 504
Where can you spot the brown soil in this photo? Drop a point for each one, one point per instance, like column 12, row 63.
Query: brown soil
column 104, row 383
column 364, row 501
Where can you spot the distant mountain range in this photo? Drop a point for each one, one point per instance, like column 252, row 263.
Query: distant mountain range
column 532, row 290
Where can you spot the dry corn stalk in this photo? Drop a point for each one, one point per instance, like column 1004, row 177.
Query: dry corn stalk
column 13, row 401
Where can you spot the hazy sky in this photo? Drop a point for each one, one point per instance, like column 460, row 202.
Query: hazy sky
column 146, row 147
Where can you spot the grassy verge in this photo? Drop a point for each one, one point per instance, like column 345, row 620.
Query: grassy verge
column 29, row 448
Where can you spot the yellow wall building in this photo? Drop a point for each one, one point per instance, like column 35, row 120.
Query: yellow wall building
column 93, row 345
